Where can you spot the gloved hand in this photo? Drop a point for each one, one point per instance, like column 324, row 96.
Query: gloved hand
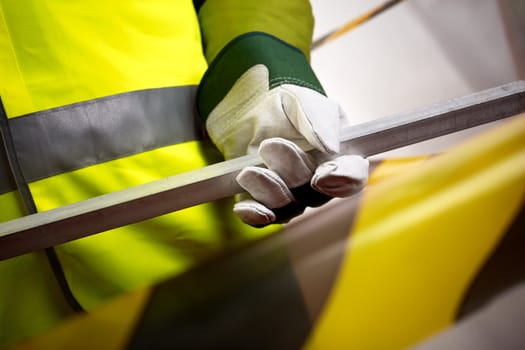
column 278, row 115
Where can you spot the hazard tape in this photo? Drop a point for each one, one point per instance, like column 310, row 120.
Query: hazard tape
column 384, row 269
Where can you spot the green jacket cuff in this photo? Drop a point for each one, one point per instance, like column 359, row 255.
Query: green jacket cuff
column 286, row 64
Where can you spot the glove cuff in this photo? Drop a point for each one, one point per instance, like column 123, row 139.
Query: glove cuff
column 286, row 65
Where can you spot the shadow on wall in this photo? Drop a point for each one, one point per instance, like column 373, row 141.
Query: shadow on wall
column 464, row 46
column 513, row 14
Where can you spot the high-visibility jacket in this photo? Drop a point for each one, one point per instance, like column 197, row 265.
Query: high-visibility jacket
column 98, row 96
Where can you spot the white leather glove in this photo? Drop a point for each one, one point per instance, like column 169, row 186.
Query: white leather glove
column 278, row 122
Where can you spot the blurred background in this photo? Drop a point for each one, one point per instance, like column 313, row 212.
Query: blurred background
column 417, row 53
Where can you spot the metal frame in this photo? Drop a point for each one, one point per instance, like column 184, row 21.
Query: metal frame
column 70, row 222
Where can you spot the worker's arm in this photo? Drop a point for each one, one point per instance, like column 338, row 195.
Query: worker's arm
column 224, row 20
column 261, row 95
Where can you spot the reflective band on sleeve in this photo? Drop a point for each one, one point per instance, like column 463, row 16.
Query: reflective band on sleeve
column 7, row 181
column 71, row 137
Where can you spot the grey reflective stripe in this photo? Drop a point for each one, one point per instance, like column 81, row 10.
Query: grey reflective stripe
column 7, row 182
column 71, row 137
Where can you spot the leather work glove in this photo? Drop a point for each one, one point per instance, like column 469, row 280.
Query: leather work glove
column 274, row 105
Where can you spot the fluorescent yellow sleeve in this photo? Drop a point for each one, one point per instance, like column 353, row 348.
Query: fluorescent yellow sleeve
column 223, row 20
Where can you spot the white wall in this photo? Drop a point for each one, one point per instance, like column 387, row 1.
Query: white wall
column 417, row 53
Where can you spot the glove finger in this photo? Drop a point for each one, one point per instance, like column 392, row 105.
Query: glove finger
column 258, row 215
column 295, row 167
column 286, row 159
column 270, row 191
column 342, row 176
column 265, row 186
column 254, row 213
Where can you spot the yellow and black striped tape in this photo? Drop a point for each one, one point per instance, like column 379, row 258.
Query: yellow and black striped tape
column 382, row 270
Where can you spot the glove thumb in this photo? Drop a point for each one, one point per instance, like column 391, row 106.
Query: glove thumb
column 315, row 116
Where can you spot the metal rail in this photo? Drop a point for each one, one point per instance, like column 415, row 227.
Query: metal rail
column 70, row 222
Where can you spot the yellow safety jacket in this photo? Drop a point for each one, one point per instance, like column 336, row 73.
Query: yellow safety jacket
column 98, row 96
